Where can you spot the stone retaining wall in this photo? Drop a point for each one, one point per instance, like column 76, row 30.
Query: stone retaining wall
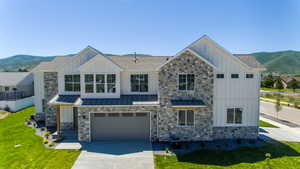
column 247, row 132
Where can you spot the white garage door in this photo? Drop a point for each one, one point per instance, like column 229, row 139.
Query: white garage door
column 120, row 126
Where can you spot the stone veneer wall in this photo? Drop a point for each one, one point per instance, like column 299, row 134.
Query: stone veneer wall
column 241, row 132
column 84, row 118
column 168, row 89
column 66, row 125
column 50, row 90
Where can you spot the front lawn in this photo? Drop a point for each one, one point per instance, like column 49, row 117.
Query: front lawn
column 31, row 153
column 265, row 124
column 284, row 156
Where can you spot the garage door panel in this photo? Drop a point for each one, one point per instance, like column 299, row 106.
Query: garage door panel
column 121, row 128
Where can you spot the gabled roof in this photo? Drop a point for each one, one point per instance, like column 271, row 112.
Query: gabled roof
column 53, row 65
column 12, row 78
column 95, row 62
column 249, row 60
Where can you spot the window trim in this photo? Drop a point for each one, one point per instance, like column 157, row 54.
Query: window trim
column 139, row 83
column 178, row 82
column 185, row 126
column 234, row 108
column 73, row 83
column 105, row 84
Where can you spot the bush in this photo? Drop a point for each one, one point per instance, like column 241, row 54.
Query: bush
column 43, row 129
column 167, row 150
column 45, row 141
column 6, row 108
column 51, row 144
column 47, row 134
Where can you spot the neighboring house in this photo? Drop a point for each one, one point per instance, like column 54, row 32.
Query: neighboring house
column 16, row 90
column 286, row 81
column 202, row 93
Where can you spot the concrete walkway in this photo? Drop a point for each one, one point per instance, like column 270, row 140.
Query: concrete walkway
column 115, row 155
column 283, row 133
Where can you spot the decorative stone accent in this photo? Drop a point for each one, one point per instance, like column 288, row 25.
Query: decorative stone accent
column 50, row 90
column 39, row 116
column 66, row 125
column 84, row 118
column 168, row 89
column 247, row 132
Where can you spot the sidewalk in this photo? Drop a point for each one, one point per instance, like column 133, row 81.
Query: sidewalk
column 274, row 101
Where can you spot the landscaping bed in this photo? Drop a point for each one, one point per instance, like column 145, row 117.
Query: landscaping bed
column 265, row 124
column 20, row 147
column 3, row 114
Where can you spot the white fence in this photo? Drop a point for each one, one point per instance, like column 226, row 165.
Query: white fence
column 17, row 104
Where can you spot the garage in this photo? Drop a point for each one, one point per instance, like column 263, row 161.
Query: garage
column 120, row 126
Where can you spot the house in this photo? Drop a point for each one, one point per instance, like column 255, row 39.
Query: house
column 201, row 93
column 287, row 80
column 16, row 90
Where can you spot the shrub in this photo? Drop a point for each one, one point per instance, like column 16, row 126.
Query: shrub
column 28, row 122
column 47, row 134
column 45, row 141
column 6, row 108
column 43, row 129
column 51, row 144
column 167, row 150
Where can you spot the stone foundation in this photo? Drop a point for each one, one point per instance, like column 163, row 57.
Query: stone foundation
column 247, row 132
column 66, row 125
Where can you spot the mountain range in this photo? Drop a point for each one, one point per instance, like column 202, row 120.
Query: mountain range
column 281, row 62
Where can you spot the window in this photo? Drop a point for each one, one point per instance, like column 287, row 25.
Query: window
column 249, row 76
column 185, row 117
column 6, row 89
column 186, row 81
column 234, row 115
column 234, row 76
column 100, row 83
column 72, row 83
column 89, row 83
column 220, row 76
column 139, row 83
column 111, row 83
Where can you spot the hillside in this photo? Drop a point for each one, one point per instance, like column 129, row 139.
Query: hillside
column 283, row 62
column 28, row 62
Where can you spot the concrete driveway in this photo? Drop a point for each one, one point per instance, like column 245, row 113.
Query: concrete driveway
column 115, row 155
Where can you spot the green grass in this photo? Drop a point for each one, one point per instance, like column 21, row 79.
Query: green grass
column 265, row 124
column 283, row 156
column 31, row 154
column 282, row 90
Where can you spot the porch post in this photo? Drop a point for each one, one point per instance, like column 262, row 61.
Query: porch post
column 58, row 119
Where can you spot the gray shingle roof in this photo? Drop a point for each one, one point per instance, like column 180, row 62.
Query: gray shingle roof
column 123, row 100
column 12, row 78
column 187, row 103
column 52, row 65
column 249, row 60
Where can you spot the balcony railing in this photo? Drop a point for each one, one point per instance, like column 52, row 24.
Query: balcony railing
column 16, row 95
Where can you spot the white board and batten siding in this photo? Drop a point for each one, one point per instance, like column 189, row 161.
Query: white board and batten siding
column 231, row 93
column 66, row 114
column 126, row 84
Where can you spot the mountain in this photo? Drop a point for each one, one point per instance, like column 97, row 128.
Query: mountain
column 14, row 63
column 282, row 62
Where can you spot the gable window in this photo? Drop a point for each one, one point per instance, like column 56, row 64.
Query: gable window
column 186, row 118
column 220, row 76
column 249, row 76
column 139, row 83
column 100, row 83
column 72, row 83
column 186, row 82
column 111, row 83
column 234, row 76
column 234, row 115
column 89, row 83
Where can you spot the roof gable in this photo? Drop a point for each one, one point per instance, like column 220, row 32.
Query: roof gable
column 99, row 63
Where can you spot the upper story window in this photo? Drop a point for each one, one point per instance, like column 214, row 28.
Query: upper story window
column 186, row 118
column 234, row 115
column 89, row 83
column 234, row 76
column 249, row 76
column 220, row 76
column 72, row 83
column 186, row 81
column 111, row 83
column 139, row 83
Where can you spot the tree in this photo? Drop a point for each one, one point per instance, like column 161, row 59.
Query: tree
column 293, row 84
column 278, row 106
column 278, row 84
column 267, row 82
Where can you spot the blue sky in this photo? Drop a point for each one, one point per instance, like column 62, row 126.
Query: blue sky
column 161, row 27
